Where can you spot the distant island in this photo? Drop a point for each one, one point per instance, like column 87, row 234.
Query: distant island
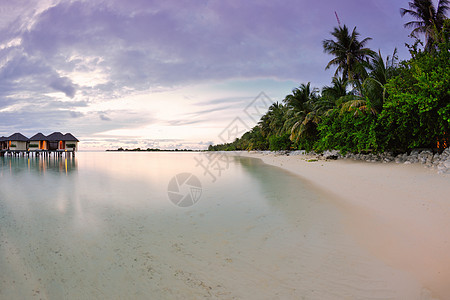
column 151, row 150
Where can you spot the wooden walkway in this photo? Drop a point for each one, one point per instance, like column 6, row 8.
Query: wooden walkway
column 36, row 153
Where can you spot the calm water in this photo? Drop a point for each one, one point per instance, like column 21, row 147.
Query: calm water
column 101, row 226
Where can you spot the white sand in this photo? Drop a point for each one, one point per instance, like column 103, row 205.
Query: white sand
column 400, row 213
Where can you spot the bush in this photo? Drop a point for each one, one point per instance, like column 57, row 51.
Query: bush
column 279, row 142
column 348, row 132
column 417, row 111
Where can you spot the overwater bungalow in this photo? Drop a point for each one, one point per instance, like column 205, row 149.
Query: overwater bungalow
column 71, row 142
column 59, row 141
column 56, row 142
column 17, row 142
column 38, row 142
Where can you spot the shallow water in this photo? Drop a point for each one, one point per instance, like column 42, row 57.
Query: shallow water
column 102, row 226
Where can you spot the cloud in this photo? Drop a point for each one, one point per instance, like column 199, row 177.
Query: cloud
column 103, row 117
column 60, row 60
column 152, row 43
column 65, row 85
column 184, row 122
column 226, row 100
column 75, row 114
column 172, row 44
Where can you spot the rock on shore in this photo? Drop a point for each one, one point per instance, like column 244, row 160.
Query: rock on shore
column 426, row 157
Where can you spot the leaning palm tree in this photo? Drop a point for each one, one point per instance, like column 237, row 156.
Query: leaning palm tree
column 429, row 19
column 349, row 53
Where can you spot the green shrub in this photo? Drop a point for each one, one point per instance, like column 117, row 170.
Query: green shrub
column 417, row 111
column 279, row 142
column 348, row 132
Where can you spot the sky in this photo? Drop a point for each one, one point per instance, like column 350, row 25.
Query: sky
column 169, row 74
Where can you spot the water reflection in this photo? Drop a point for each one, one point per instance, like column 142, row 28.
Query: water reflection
column 38, row 164
column 104, row 228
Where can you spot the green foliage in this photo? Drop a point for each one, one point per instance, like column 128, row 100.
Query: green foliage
column 279, row 142
column 347, row 132
column 251, row 140
column 13, row 146
column 34, row 145
column 71, row 145
column 392, row 106
column 417, row 112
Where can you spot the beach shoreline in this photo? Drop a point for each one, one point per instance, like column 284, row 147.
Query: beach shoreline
column 399, row 212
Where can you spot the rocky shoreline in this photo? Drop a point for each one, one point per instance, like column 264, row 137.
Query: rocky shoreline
column 426, row 157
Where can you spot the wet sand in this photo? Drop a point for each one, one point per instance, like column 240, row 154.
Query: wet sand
column 399, row 213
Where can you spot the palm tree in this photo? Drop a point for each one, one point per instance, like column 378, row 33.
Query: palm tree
column 350, row 54
column 305, row 127
column 370, row 95
column 331, row 95
column 429, row 19
column 337, row 90
column 273, row 120
column 380, row 70
column 300, row 96
column 301, row 115
column 358, row 102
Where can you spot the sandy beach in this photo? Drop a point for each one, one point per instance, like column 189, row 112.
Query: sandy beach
column 400, row 213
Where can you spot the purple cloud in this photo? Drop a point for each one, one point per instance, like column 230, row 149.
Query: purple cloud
column 65, row 85
column 151, row 43
column 155, row 43
column 120, row 47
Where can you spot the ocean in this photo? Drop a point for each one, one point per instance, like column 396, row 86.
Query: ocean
column 159, row 225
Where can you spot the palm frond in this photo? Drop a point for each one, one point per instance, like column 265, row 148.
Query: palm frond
column 443, row 7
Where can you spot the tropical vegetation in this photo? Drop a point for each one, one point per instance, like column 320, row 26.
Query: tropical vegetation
column 374, row 103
